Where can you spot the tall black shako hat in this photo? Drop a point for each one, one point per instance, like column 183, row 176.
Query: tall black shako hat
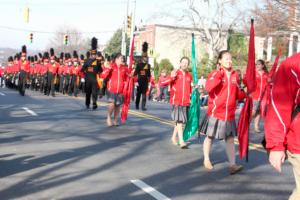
column 24, row 50
column 61, row 57
column 67, row 56
column 75, row 56
column 88, row 54
column 81, row 57
column 52, row 55
column 94, row 45
column 10, row 59
column 46, row 56
column 145, row 50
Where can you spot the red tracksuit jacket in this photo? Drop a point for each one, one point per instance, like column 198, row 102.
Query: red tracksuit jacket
column 223, row 93
column 116, row 76
column 261, row 83
column 181, row 88
column 281, row 132
column 163, row 81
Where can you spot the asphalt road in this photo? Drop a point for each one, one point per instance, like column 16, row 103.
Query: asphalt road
column 53, row 148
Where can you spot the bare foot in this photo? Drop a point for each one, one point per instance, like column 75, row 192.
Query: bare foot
column 174, row 141
column 108, row 121
column 116, row 122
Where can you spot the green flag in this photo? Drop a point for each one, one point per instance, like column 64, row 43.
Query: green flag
column 192, row 124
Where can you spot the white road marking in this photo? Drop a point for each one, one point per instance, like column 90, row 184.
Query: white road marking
column 2, row 94
column 150, row 190
column 30, row 111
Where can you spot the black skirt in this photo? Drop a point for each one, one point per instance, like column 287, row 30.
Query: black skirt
column 218, row 129
column 180, row 114
column 117, row 99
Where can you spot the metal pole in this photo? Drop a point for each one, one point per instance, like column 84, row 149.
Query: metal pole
column 132, row 24
column 123, row 44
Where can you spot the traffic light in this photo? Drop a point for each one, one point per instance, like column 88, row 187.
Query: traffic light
column 26, row 14
column 128, row 24
column 151, row 52
column 66, row 39
column 30, row 37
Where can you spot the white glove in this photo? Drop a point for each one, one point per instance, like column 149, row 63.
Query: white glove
column 82, row 80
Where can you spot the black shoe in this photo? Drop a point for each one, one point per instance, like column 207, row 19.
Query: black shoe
column 136, row 107
column 87, row 106
column 144, row 109
column 95, row 106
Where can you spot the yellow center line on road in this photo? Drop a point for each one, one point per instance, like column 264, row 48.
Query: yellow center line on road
column 252, row 146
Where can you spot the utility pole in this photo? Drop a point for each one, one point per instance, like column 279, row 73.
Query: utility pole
column 123, row 44
column 132, row 24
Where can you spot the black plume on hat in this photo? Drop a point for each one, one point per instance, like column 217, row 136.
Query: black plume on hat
column 32, row 59
column 88, row 54
column 62, row 55
column 46, row 55
column 75, row 55
column 99, row 53
column 35, row 58
column 40, row 55
column 51, row 52
column 17, row 56
column 67, row 56
column 82, row 57
column 94, row 43
column 145, row 47
column 10, row 59
column 24, row 49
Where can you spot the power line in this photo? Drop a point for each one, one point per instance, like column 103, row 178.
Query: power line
column 52, row 32
column 63, row 3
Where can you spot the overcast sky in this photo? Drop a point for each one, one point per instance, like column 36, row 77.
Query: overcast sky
column 101, row 16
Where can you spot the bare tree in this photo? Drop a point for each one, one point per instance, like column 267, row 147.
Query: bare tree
column 212, row 19
column 274, row 16
column 75, row 41
column 292, row 8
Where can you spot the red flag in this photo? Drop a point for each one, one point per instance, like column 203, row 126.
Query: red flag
column 249, row 78
column 273, row 70
column 128, row 87
column 246, row 113
column 243, row 127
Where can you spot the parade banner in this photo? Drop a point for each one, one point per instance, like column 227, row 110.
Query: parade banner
column 192, row 124
column 128, row 86
column 246, row 113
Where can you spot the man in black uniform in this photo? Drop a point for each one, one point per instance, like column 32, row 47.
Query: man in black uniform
column 24, row 69
column 142, row 70
column 91, row 68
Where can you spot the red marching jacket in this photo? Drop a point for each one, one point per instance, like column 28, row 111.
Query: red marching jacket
column 281, row 131
column 60, row 69
column 67, row 70
column 24, row 65
column 52, row 68
column 116, row 76
column 261, row 83
column 223, row 93
column 76, row 70
column 181, row 88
